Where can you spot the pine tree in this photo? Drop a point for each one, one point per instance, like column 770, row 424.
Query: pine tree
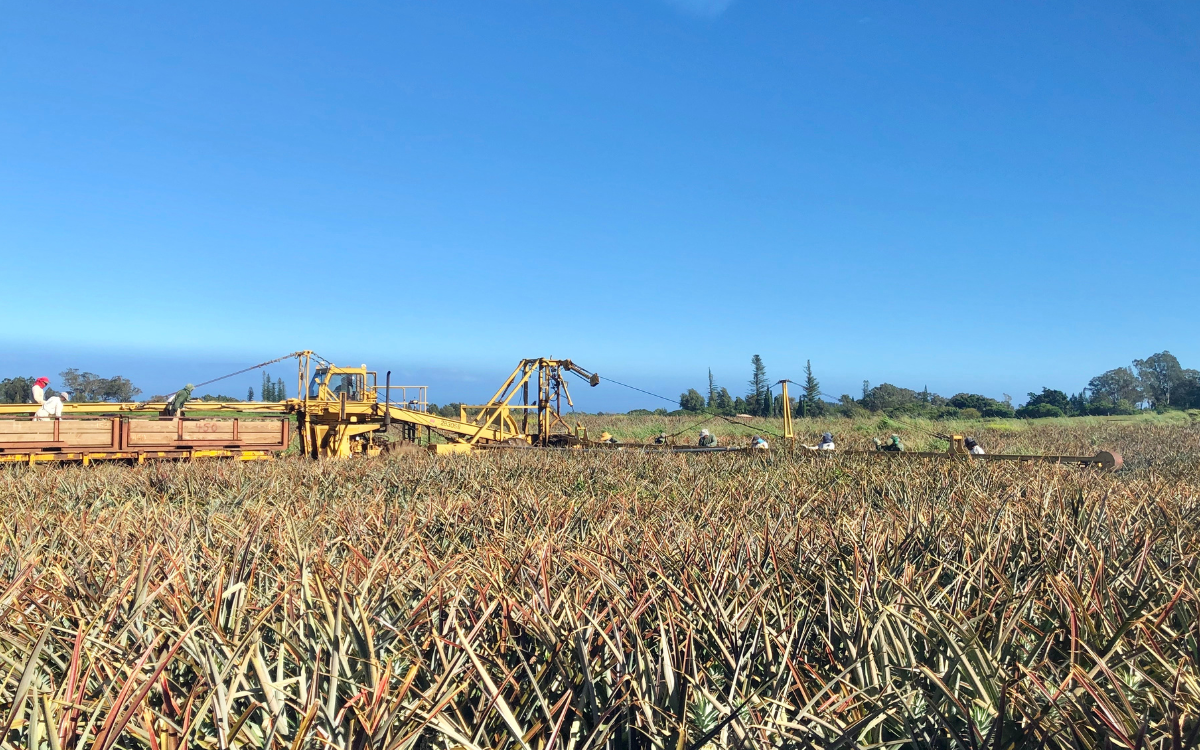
column 759, row 397
column 724, row 403
column 712, row 390
column 812, row 404
column 250, row 394
column 268, row 388
column 280, row 390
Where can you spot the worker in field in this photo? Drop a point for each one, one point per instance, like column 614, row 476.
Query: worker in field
column 177, row 400
column 49, row 407
column 892, row 446
column 974, row 447
column 757, row 443
column 661, row 439
column 826, row 443
column 605, row 437
column 707, row 439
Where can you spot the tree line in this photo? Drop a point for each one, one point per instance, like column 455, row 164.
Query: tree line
column 1158, row 382
column 91, row 388
column 83, row 386
column 269, row 391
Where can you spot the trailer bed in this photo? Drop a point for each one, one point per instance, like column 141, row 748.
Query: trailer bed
column 128, row 438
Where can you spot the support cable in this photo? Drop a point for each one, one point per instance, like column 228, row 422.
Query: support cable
column 317, row 357
column 713, row 415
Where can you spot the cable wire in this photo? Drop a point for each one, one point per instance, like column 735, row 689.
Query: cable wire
column 248, row 369
column 319, row 358
column 713, row 415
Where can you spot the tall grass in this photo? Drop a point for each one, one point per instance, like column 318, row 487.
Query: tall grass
column 586, row 600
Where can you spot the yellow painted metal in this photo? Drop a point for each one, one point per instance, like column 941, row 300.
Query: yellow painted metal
column 151, row 407
column 788, row 432
column 338, row 408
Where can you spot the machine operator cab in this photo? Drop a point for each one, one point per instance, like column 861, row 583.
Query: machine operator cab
column 332, row 383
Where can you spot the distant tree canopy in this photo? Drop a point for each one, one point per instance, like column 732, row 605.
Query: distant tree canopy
column 1160, row 375
column 1117, row 384
column 987, row 407
column 87, row 386
column 272, row 390
column 1155, row 381
column 449, row 411
column 1039, row 410
column 17, row 390
column 692, row 400
column 83, row 386
column 1059, row 401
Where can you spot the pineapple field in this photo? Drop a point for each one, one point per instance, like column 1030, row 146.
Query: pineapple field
column 612, row 599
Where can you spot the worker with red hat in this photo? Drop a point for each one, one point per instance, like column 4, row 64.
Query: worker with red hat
column 50, row 407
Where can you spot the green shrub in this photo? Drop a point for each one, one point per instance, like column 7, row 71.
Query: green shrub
column 1039, row 411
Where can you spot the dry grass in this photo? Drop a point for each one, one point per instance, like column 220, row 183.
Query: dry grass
column 588, row 600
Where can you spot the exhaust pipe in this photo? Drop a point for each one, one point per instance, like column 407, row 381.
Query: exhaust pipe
column 387, row 402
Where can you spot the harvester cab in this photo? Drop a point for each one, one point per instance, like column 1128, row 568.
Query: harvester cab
column 331, row 383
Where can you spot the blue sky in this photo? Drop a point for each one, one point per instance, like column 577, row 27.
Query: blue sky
column 981, row 197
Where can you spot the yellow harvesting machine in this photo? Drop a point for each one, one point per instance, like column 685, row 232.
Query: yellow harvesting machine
column 340, row 412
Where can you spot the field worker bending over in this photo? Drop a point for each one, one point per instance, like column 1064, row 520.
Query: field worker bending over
column 707, row 440
column 893, row 446
column 758, row 443
column 824, row 444
column 973, row 446
column 50, row 407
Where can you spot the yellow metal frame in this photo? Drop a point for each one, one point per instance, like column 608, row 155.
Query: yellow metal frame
column 789, row 433
column 334, row 423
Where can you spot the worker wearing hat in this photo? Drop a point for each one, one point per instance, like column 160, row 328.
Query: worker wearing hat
column 707, row 440
column 892, row 446
column 51, row 407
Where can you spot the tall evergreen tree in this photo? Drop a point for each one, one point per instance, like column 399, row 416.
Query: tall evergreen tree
column 250, row 393
column 712, row 390
column 813, row 405
column 280, row 390
column 759, row 398
column 724, row 403
column 268, row 388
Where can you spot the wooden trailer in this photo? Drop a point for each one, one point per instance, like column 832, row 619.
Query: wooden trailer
column 131, row 439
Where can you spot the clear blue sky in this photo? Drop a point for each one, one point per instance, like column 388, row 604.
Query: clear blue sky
column 988, row 197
